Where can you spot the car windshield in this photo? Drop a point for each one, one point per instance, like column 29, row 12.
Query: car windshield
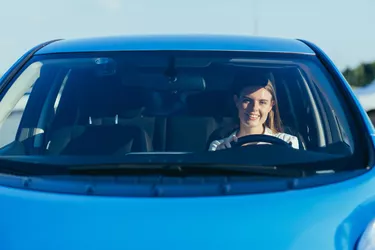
column 147, row 103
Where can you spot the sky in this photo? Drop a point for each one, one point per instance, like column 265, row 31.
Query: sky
column 342, row 28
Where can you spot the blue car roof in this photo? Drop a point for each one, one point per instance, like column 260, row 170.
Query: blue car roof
column 179, row 42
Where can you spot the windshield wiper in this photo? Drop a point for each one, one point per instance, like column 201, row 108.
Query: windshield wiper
column 35, row 167
column 261, row 160
column 184, row 170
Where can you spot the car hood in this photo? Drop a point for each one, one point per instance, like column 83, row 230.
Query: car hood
column 326, row 217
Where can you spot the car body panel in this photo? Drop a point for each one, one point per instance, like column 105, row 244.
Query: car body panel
column 179, row 42
column 326, row 217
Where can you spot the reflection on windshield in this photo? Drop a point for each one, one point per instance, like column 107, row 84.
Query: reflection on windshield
column 111, row 104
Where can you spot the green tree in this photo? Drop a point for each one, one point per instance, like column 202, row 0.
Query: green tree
column 361, row 75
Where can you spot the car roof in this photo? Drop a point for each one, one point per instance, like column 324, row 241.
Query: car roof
column 178, row 42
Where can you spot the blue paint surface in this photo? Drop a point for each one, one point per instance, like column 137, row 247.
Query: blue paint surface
column 178, row 42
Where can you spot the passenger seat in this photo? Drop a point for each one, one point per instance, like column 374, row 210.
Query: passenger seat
column 102, row 99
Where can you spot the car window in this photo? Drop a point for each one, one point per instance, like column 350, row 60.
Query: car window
column 127, row 102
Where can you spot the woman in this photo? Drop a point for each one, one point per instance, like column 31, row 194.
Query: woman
column 258, row 112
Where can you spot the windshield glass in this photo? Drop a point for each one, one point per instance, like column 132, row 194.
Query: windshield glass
column 119, row 103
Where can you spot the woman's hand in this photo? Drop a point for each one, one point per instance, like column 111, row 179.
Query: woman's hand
column 223, row 144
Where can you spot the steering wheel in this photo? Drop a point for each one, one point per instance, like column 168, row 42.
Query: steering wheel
column 259, row 138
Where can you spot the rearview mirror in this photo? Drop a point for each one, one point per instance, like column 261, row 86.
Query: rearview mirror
column 180, row 82
column 186, row 83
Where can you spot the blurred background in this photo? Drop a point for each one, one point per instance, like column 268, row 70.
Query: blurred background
column 343, row 29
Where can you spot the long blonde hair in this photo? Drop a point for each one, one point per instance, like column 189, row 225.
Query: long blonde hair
column 273, row 120
column 245, row 80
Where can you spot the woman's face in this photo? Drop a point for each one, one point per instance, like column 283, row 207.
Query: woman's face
column 254, row 104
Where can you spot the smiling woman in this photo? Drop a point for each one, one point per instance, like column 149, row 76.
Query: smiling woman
column 258, row 111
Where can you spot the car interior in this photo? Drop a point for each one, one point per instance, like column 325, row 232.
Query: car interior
column 85, row 111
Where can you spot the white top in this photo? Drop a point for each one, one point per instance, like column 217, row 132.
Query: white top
column 283, row 136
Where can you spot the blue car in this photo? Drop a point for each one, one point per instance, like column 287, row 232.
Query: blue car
column 183, row 142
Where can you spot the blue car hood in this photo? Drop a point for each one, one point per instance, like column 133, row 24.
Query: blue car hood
column 326, row 217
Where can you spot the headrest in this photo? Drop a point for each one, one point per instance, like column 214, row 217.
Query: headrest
column 211, row 103
column 105, row 96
